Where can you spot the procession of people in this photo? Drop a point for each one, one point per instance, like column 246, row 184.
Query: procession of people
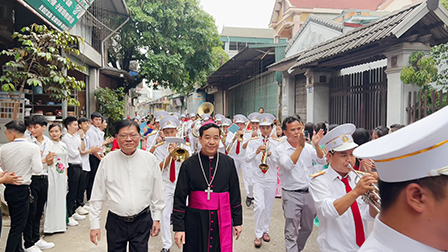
column 180, row 178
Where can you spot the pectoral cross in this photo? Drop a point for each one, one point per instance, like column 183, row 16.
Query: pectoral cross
column 208, row 191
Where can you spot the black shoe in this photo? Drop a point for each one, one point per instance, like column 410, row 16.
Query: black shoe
column 165, row 250
column 249, row 201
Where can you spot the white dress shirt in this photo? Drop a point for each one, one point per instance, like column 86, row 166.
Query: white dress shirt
column 254, row 160
column 128, row 184
column 94, row 137
column 336, row 232
column 296, row 176
column 161, row 153
column 85, row 157
column 242, row 152
column 44, row 148
column 73, row 143
column 21, row 157
column 385, row 239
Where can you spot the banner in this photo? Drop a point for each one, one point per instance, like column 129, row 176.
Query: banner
column 62, row 13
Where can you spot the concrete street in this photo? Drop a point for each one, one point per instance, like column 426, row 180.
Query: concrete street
column 77, row 238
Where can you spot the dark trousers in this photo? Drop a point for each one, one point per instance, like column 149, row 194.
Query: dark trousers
column 74, row 178
column 39, row 190
column 120, row 233
column 18, row 198
column 81, row 189
column 94, row 162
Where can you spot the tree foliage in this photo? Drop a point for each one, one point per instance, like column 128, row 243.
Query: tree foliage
column 39, row 62
column 421, row 70
column 174, row 42
column 111, row 102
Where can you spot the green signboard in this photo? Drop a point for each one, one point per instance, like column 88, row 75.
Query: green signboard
column 62, row 13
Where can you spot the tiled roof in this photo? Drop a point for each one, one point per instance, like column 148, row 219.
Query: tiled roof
column 338, row 4
column 393, row 25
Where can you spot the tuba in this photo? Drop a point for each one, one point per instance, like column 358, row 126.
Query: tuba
column 376, row 204
column 263, row 166
column 205, row 108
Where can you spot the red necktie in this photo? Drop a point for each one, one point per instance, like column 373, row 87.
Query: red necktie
column 238, row 147
column 172, row 171
column 360, row 237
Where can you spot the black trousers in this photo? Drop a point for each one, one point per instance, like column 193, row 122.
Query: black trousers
column 94, row 162
column 39, row 190
column 74, row 179
column 18, row 198
column 81, row 189
column 120, row 233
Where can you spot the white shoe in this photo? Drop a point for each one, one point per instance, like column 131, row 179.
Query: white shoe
column 72, row 222
column 78, row 217
column 42, row 244
column 82, row 211
column 86, row 207
column 32, row 249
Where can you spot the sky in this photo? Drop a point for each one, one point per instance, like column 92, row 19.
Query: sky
column 239, row 13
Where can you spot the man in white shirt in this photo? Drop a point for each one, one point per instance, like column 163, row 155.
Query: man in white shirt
column 170, row 171
column 74, row 170
column 413, row 186
column 17, row 194
column 262, row 150
column 129, row 182
column 95, row 139
column 296, row 160
column 38, row 186
column 84, row 125
column 336, row 192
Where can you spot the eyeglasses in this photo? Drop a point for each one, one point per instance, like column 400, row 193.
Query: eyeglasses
column 133, row 136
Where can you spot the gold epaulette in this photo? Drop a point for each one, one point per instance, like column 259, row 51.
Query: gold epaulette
column 317, row 174
column 153, row 132
column 188, row 144
column 159, row 144
column 253, row 138
column 276, row 139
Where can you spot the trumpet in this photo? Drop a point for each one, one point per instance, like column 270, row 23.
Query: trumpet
column 376, row 204
column 239, row 138
column 263, row 166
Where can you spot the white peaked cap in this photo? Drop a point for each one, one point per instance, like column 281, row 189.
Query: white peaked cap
column 226, row 122
column 219, row 117
column 240, row 118
column 254, row 117
column 205, row 117
column 266, row 119
column 413, row 152
column 169, row 122
column 340, row 138
column 160, row 114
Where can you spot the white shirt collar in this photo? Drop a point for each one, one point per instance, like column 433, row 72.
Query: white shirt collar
column 335, row 175
column 396, row 241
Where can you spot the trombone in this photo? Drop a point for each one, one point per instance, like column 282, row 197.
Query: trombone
column 376, row 204
column 239, row 138
column 264, row 158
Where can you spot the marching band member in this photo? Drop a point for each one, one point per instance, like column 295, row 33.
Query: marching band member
column 170, row 171
column 296, row 160
column 156, row 135
column 343, row 214
column 413, row 186
column 237, row 152
column 263, row 150
column 192, row 139
column 225, row 124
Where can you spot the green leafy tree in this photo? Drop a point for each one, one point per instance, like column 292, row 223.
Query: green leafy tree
column 39, row 62
column 174, row 42
column 421, row 70
column 111, row 102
